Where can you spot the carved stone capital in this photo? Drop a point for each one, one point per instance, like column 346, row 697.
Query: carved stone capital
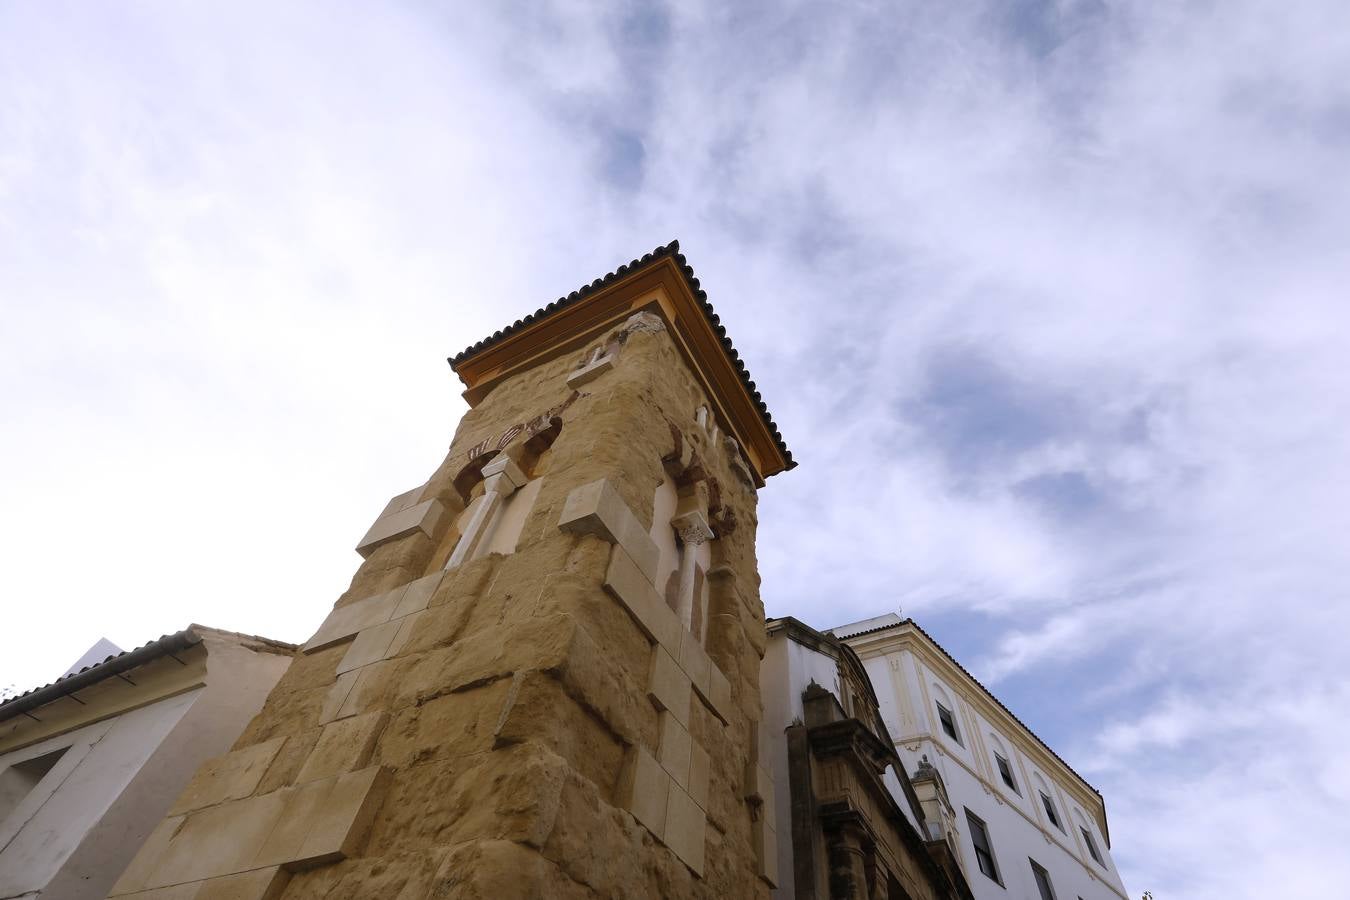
column 692, row 527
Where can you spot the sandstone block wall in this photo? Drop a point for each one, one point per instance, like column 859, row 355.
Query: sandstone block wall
column 536, row 723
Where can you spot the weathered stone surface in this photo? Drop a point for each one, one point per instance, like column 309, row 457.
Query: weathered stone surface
column 425, row 517
column 676, row 749
column 598, row 509
column 685, row 828
column 344, row 817
column 520, row 752
column 668, row 685
column 343, row 746
column 137, row 875
column 403, row 501
column 346, row 621
column 371, row 645
column 626, row 582
column 230, row 777
column 700, row 766
column 448, row 725
column 259, row 884
column 219, row 840
column 335, row 700
column 591, row 371
column 646, row 791
column 417, row 595
column 501, row 870
column 696, row 664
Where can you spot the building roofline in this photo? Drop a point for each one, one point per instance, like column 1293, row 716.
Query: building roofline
column 670, row 252
column 165, row 645
column 1106, row 833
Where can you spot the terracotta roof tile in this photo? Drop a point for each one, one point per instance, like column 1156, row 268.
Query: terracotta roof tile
column 671, row 250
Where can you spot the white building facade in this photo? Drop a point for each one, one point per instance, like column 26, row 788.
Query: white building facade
column 1027, row 825
column 90, row 763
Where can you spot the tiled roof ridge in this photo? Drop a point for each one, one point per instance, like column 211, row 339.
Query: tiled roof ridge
column 990, row 694
column 671, row 250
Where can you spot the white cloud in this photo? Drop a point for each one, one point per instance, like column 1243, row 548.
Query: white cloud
column 1047, row 303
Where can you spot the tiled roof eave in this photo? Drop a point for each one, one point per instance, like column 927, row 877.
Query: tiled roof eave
column 671, row 251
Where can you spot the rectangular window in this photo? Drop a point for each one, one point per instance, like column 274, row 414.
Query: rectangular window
column 17, row 781
column 984, row 851
column 1050, row 810
column 1042, row 880
column 1092, row 847
column 1006, row 771
column 949, row 723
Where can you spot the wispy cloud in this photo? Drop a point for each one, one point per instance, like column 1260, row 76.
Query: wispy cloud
column 1046, row 297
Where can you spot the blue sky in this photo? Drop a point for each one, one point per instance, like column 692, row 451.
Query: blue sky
column 1048, row 299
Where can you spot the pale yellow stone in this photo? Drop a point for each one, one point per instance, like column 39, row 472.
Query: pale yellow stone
column 597, row 509
column 259, row 884
column 625, row 581
column 719, row 694
column 172, row 892
column 647, row 791
column 371, row 645
column 425, row 517
column 763, row 790
column 695, row 662
column 590, row 371
column 675, row 750
column 686, row 827
column 765, row 840
column 230, row 777
column 302, row 805
column 403, row 501
column 137, row 874
column 220, row 840
column 346, row 621
column 407, row 628
column 700, row 774
column 417, row 594
column 668, row 685
column 336, row 697
column 344, row 819
column 343, row 746
column 357, row 699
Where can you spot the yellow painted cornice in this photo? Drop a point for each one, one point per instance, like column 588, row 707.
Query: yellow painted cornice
column 660, row 283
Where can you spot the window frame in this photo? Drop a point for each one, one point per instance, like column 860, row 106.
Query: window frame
column 1051, row 812
column 979, row 826
column 1041, row 875
column 1005, row 772
column 948, row 723
column 1092, row 846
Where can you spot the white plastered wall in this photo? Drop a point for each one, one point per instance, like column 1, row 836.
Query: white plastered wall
column 1018, row 830
column 101, row 760
column 80, row 827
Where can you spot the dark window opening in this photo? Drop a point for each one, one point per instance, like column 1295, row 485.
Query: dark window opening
column 984, row 851
column 17, row 781
column 1092, row 847
column 1042, row 880
column 1050, row 810
column 948, row 723
column 1006, row 771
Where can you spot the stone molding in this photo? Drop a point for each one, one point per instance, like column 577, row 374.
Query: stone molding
column 404, row 515
column 667, row 791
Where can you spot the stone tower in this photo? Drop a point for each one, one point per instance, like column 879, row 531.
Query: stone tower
column 543, row 680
